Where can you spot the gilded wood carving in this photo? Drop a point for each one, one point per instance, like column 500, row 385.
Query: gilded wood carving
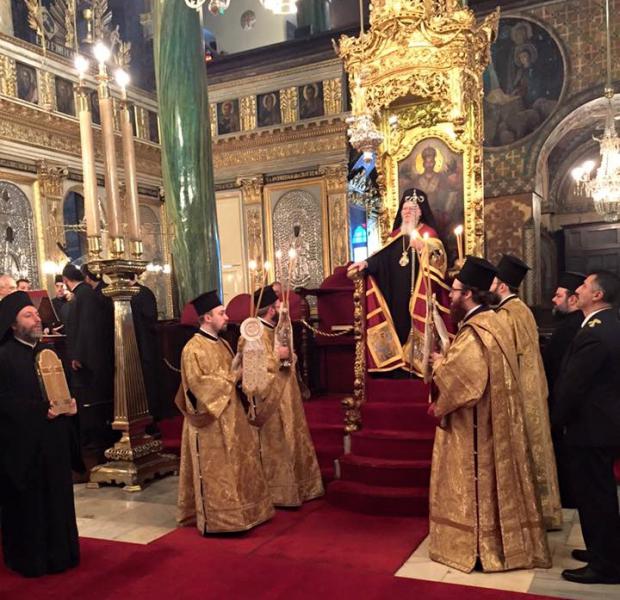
column 421, row 66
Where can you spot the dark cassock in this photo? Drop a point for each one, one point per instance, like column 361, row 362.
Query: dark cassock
column 89, row 342
column 567, row 325
column 587, row 407
column 59, row 302
column 39, row 532
column 483, row 500
column 517, row 315
column 222, row 487
column 144, row 310
column 396, row 307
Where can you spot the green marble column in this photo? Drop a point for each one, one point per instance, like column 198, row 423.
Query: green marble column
column 186, row 147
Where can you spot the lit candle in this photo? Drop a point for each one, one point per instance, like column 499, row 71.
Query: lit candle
column 292, row 256
column 458, row 232
column 89, row 173
column 102, row 54
column 278, row 263
column 129, row 162
column 252, row 267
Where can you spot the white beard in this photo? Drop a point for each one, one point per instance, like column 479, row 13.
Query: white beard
column 408, row 228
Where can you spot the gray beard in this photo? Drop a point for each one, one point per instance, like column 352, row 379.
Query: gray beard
column 408, row 228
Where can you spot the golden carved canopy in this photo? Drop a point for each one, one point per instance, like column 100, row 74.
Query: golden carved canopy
column 419, row 71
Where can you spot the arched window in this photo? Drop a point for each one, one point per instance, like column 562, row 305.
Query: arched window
column 76, row 246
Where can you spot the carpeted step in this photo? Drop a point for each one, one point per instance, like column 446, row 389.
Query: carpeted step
column 385, row 472
column 396, row 390
column 327, row 474
column 400, row 416
column 327, row 435
column 325, row 410
column 400, row 445
column 374, row 500
column 327, row 454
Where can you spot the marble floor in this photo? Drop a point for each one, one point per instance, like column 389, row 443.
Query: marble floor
column 109, row 513
column 546, row 582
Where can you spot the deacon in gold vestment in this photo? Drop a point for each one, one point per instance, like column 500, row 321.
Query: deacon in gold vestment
column 483, row 502
column 288, row 456
column 221, row 482
column 520, row 320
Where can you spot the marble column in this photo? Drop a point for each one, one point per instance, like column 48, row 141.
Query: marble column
column 6, row 17
column 186, row 148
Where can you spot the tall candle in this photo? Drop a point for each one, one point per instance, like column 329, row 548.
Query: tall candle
column 458, row 232
column 89, row 172
column 107, row 128
column 129, row 162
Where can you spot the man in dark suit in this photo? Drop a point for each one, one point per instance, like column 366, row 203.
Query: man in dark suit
column 587, row 407
column 568, row 318
column 91, row 360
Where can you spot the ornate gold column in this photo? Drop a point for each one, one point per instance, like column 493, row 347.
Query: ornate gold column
column 338, row 213
column 252, row 197
column 49, row 195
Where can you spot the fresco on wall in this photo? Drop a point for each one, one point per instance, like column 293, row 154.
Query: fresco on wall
column 523, row 82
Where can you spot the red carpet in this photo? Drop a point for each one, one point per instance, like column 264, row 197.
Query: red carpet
column 388, row 469
column 316, row 552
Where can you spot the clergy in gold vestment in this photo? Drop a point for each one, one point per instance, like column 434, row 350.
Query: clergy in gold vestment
column 221, row 482
column 483, row 503
column 288, row 456
column 520, row 320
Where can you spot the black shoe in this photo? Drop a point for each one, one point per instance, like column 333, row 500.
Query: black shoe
column 581, row 555
column 588, row 575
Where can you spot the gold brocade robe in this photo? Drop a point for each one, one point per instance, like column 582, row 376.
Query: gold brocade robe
column 288, row 456
column 221, row 482
column 516, row 314
column 483, row 501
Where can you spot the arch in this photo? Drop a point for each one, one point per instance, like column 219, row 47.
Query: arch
column 18, row 251
column 585, row 109
column 76, row 245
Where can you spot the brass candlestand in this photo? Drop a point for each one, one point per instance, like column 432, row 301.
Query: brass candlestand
column 137, row 456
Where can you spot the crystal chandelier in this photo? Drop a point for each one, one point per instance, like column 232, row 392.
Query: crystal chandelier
column 277, row 7
column 280, row 7
column 216, row 7
column 604, row 187
column 362, row 132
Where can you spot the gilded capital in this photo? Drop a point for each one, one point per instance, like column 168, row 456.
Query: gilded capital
column 251, row 189
column 335, row 177
column 51, row 178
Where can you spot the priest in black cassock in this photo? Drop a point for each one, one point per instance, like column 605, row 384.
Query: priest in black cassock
column 39, row 532
column 144, row 311
column 90, row 352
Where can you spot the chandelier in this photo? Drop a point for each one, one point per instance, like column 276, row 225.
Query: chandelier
column 604, row 187
column 280, row 7
column 277, row 7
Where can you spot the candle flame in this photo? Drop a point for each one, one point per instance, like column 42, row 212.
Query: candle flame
column 458, row 230
column 425, row 236
column 102, row 53
column 292, row 253
column 278, row 254
column 252, row 265
column 81, row 64
column 267, row 265
column 414, row 234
